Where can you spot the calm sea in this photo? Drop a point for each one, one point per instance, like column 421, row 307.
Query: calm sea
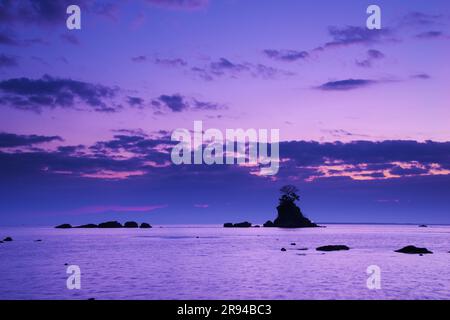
column 210, row 262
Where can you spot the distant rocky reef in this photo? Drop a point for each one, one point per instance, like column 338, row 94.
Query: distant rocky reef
column 107, row 225
column 237, row 225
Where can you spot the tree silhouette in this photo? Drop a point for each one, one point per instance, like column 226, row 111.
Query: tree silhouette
column 289, row 194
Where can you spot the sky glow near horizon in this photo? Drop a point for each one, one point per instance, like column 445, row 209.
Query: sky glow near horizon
column 363, row 114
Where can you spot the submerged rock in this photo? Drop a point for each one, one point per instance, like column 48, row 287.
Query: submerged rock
column 145, row 225
column 110, row 224
column 333, row 248
column 283, row 249
column 88, row 226
column 64, row 226
column 7, row 239
column 130, row 224
column 293, row 244
column 413, row 250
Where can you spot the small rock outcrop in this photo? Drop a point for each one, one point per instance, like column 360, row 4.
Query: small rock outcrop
column 88, row 226
column 283, row 249
column 289, row 214
column 110, row 224
column 64, row 226
column 245, row 224
column 145, row 225
column 333, row 248
column 423, row 226
column 7, row 239
column 414, row 250
column 268, row 224
column 130, row 224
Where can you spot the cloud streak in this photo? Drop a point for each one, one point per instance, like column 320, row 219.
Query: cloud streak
column 226, row 68
column 372, row 56
column 10, row 140
column 286, row 55
column 178, row 103
column 49, row 92
column 346, row 85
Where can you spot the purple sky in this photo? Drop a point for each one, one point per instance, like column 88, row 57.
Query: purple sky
column 85, row 115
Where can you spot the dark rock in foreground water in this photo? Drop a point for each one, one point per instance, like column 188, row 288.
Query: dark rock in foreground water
column 145, row 225
column 413, row 250
column 110, row 224
column 245, row 224
column 130, row 224
column 283, row 249
column 7, row 239
column 88, row 226
column 64, row 226
column 333, row 248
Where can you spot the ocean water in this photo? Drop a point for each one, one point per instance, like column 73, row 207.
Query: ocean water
column 210, row 262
